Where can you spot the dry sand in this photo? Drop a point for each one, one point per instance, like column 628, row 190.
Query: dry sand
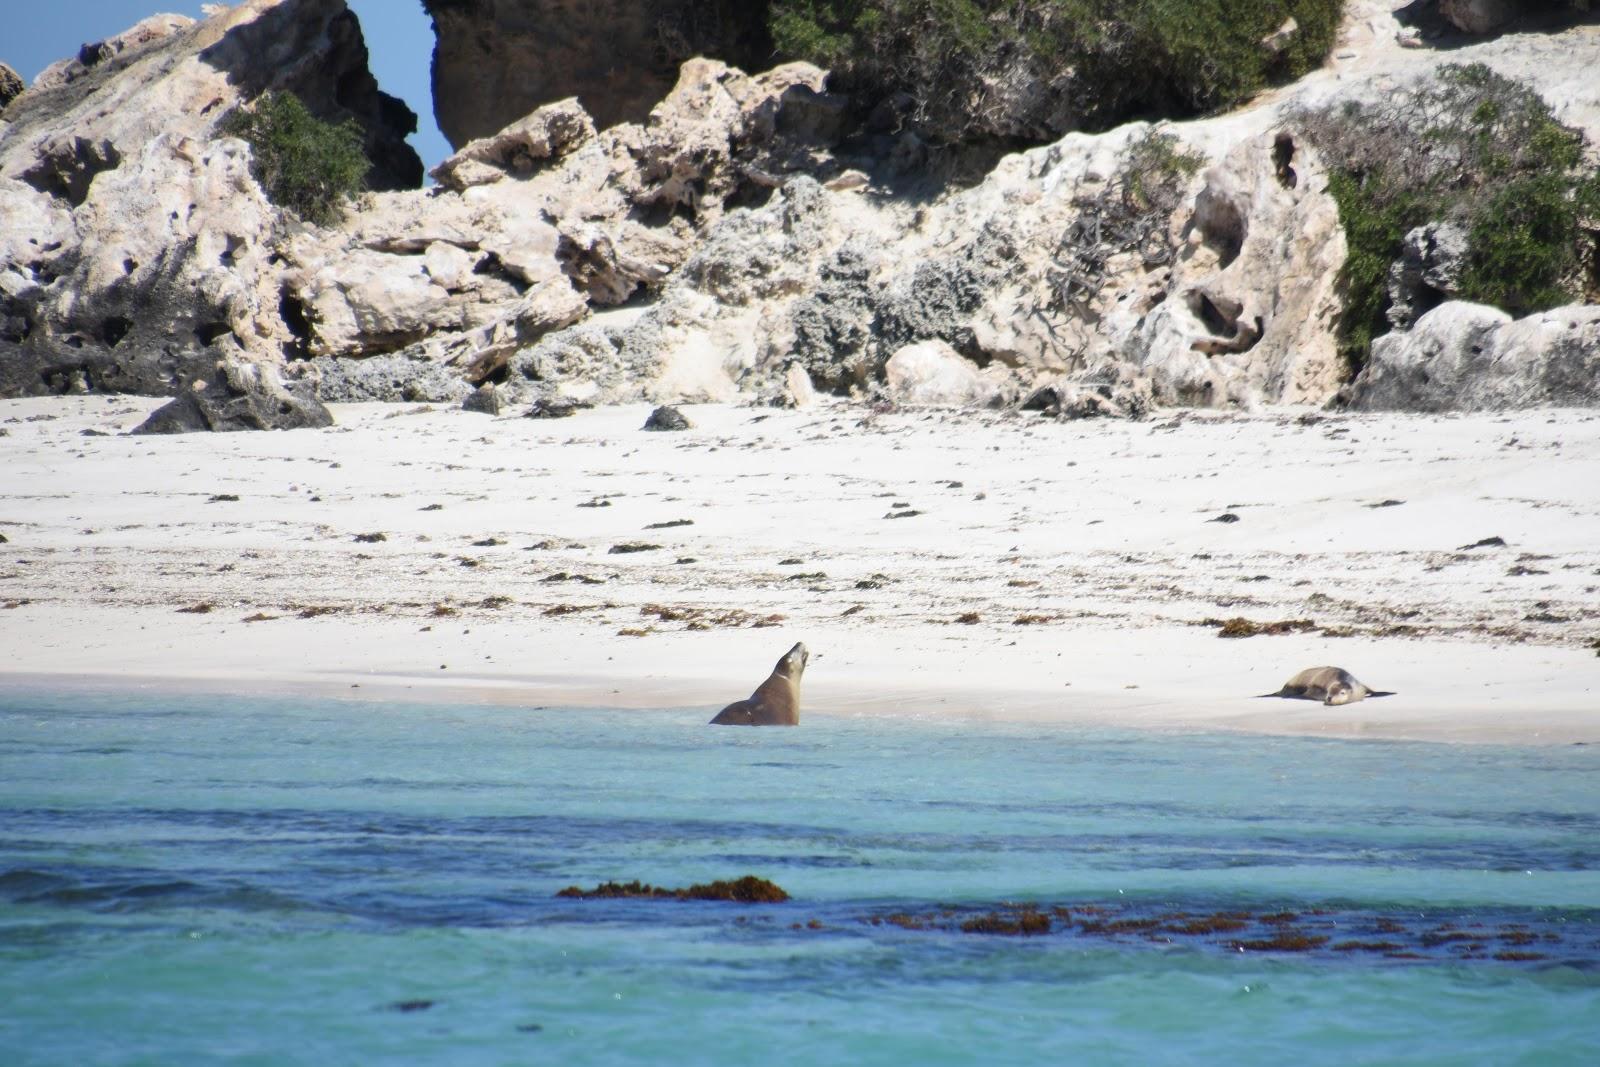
column 1084, row 559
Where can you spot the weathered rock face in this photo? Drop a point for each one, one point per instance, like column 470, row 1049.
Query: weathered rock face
column 497, row 60
column 137, row 249
column 1428, row 273
column 532, row 228
column 1236, row 303
column 1467, row 357
column 932, row 374
column 175, row 75
column 1249, row 310
column 1478, row 16
column 717, row 251
column 11, row 85
column 239, row 396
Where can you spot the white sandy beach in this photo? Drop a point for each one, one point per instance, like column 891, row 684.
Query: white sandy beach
column 1084, row 550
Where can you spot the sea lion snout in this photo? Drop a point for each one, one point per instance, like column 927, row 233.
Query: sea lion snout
column 794, row 661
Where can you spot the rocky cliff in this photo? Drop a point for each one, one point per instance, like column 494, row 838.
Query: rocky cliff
column 497, row 60
column 137, row 248
column 734, row 243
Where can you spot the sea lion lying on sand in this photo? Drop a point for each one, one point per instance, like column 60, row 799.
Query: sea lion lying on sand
column 776, row 702
column 1331, row 685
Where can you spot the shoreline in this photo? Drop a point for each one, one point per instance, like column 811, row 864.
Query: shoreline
column 1483, row 708
column 1072, row 573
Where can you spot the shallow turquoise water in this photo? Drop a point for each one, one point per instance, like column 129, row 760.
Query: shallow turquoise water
column 205, row 880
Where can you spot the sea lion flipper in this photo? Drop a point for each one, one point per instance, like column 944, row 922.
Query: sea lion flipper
column 1380, row 693
column 739, row 713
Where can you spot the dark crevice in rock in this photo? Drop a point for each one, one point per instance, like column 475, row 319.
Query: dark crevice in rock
column 209, row 333
column 293, row 312
column 491, row 266
column 1282, row 157
column 113, row 329
column 1213, row 317
column 1221, row 226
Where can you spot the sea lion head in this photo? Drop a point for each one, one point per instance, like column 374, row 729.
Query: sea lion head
column 793, row 663
column 1338, row 693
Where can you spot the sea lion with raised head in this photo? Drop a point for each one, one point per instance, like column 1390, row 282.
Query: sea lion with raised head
column 776, row 701
column 1331, row 685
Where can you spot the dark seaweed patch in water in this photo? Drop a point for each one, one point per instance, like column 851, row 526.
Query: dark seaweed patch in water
column 1025, row 922
column 1247, row 931
column 1220, row 923
column 408, row 1007
column 1283, row 941
column 746, row 890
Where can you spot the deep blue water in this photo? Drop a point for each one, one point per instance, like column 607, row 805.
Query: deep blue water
column 189, row 879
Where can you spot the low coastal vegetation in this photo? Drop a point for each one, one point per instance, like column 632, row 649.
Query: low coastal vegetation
column 1131, row 212
column 1474, row 151
column 304, row 164
column 1027, row 68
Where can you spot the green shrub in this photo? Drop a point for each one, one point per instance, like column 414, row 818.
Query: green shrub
column 305, row 165
column 1471, row 148
column 1036, row 68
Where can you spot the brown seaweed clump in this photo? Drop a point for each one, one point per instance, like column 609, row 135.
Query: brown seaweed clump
column 1220, row 923
column 1242, row 627
column 1283, row 941
column 1027, row 922
column 746, row 890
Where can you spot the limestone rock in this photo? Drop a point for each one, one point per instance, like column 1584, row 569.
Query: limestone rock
column 115, row 51
column 174, row 75
column 471, row 276
column 556, row 408
column 519, row 149
column 688, row 153
column 798, row 391
column 137, row 249
column 1251, row 303
column 497, row 60
column 666, row 419
column 11, row 85
column 932, row 374
column 393, row 379
column 1427, row 273
column 714, row 249
column 1467, row 357
column 765, row 253
column 1070, row 401
column 239, row 396
column 484, row 400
